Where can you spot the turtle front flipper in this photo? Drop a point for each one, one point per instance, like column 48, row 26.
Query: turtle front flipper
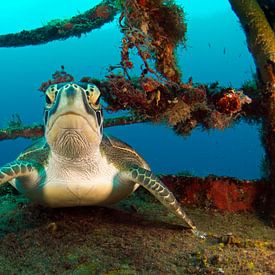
column 19, row 169
column 154, row 185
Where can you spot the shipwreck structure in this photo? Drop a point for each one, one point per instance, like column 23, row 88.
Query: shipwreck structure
column 154, row 29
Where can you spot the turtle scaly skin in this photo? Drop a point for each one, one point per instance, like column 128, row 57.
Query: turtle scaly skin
column 76, row 164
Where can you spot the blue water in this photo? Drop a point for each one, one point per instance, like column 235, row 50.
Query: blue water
column 216, row 51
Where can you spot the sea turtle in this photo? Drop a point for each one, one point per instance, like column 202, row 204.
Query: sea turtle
column 76, row 164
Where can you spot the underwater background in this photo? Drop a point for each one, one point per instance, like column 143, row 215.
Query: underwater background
column 216, row 50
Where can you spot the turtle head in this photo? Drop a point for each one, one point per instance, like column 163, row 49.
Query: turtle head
column 73, row 119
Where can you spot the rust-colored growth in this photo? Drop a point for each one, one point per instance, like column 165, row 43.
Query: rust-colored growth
column 150, row 85
column 60, row 76
column 102, row 11
column 68, row 26
column 142, row 2
column 270, row 68
column 223, row 193
column 166, row 63
column 125, row 60
column 167, row 29
column 145, row 97
column 194, row 95
column 217, row 120
column 231, row 197
column 26, row 132
column 155, row 29
column 229, row 103
column 122, row 95
column 87, row 79
column 194, row 195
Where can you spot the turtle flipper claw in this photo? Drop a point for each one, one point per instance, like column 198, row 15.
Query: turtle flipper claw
column 199, row 234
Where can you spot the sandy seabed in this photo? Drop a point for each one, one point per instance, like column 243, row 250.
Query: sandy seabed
column 138, row 236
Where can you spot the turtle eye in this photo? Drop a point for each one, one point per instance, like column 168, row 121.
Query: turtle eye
column 97, row 101
column 48, row 100
column 50, row 95
column 93, row 96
